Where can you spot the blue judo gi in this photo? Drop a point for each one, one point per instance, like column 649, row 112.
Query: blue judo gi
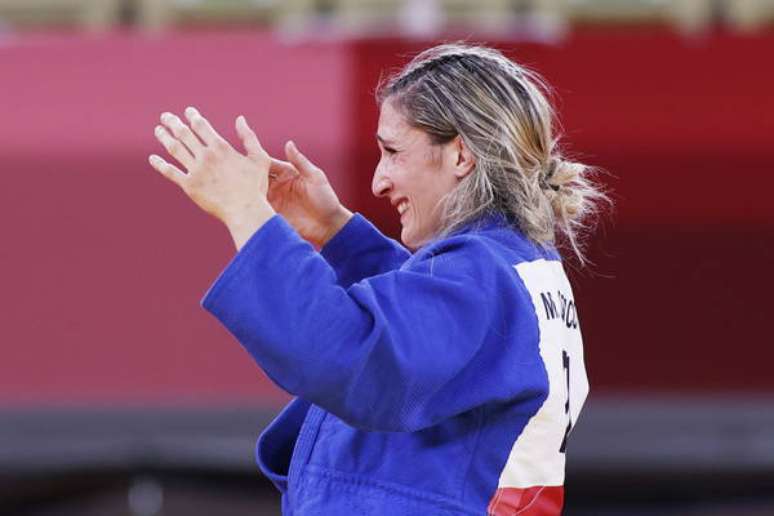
column 443, row 382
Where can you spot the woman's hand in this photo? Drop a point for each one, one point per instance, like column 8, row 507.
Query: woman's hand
column 300, row 192
column 222, row 181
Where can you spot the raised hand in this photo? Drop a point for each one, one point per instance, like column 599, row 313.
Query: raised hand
column 221, row 180
column 301, row 193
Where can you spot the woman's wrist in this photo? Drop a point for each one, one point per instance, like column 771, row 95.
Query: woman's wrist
column 243, row 223
column 338, row 221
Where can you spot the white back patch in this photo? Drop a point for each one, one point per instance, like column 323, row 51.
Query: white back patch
column 537, row 457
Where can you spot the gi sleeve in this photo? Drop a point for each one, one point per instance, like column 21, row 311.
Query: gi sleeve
column 360, row 250
column 378, row 354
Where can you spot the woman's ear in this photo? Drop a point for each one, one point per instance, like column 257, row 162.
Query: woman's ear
column 464, row 161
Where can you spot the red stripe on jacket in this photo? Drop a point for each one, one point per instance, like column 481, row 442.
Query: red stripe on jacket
column 530, row 501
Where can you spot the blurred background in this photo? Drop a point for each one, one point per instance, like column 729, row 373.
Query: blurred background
column 120, row 395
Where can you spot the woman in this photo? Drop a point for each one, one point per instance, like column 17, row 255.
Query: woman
column 440, row 382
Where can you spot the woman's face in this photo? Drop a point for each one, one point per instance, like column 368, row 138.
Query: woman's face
column 414, row 175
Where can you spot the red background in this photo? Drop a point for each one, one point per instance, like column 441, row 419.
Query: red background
column 104, row 261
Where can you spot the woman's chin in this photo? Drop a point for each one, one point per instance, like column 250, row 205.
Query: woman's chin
column 408, row 239
column 411, row 240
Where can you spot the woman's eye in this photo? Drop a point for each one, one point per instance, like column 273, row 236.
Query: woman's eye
column 390, row 150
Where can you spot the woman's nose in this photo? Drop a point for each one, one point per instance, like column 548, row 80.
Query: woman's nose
column 380, row 184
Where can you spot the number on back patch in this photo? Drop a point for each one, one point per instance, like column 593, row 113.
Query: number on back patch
column 566, row 364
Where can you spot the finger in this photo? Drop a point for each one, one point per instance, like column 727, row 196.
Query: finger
column 281, row 170
column 168, row 170
column 182, row 132
column 249, row 139
column 202, row 128
column 174, row 146
column 301, row 162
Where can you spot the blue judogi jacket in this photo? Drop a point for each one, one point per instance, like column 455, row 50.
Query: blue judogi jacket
column 415, row 376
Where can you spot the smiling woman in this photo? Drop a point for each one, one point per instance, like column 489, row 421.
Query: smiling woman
column 416, row 175
column 443, row 381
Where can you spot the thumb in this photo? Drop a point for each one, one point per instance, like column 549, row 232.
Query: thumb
column 281, row 171
column 248, row 137
column 301, row 162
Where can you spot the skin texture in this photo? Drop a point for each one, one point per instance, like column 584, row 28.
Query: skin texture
column 412, row 169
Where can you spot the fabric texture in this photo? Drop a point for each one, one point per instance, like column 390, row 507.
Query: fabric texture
column 414, row 375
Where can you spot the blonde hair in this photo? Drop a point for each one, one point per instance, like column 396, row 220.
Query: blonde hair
column 502, row 113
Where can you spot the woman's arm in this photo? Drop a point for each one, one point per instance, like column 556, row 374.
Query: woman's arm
column 360, row 250
column 395, row 352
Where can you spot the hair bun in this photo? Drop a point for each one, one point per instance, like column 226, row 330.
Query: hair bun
column 564, row 182
column 550, row 171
